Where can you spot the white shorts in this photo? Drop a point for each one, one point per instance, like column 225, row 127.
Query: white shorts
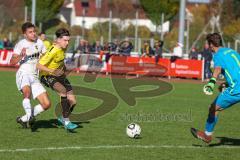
column 23, row 79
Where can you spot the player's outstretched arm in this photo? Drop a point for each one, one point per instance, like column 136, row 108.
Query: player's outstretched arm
column 15, row 59
column 44, row 68
column 18, row 57
column 55, row 72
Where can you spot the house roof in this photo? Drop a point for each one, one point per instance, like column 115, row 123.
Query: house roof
column 17, row 7
column 126, row 11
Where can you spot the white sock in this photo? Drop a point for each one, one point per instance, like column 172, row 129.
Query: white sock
column 25, row 118
column 37, row 110
column 66, row 121
column 27, row 106
column 208, row 133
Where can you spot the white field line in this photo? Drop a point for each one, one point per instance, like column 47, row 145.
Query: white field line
column 117, row 147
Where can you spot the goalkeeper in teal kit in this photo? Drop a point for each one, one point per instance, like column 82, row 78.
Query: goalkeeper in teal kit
column 226, row 62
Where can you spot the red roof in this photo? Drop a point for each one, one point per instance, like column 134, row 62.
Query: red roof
column 92, row 11
column 14, row 8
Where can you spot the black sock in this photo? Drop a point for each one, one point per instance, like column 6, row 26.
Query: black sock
column 71, row 109
column 65, row 107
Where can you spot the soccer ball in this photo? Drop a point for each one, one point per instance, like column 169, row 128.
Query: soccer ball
column 133, row 130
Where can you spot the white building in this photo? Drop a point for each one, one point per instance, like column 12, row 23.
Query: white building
column 88, row 12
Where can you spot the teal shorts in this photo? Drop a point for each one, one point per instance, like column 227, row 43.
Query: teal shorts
column 226, row 99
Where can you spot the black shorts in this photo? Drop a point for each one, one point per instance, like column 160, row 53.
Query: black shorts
column 49, row 81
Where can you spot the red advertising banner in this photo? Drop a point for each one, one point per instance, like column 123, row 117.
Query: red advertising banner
column 130, row 65
column 5, row 56
column 136, row 65
column 186, row 68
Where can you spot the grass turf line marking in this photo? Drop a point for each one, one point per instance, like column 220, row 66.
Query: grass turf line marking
column 117, row 147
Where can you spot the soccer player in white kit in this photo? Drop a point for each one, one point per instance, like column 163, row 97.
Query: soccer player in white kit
column 27, row 51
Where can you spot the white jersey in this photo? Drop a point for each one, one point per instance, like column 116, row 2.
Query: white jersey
column 33, row 51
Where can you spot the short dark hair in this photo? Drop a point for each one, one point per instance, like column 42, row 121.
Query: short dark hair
column 41, row 33
column 27, row 25
column 214, row 39
column 62, row 32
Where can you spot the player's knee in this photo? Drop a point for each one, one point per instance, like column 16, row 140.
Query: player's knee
column 63, row 93
column 46, row 105
column 26, row 94
column 73, row 102
column 214, row 109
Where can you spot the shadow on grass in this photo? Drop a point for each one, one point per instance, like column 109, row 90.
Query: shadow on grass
column 51, row 123
column 226, row 141
column 222, row 141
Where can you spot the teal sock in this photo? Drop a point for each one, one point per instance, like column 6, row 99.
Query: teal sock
column 210, row 123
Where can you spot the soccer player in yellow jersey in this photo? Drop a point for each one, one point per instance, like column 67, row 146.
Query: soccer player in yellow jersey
column 52, row 73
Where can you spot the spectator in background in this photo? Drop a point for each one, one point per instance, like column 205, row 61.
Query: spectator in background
column 46, row 43
column 81, row 47
column 177, row 52
column 87, row 47
column 107, row 49
column 96, row 48
column 158, row 50
column 1, row 44
column 193, row 54
column 6, row 43
column 80, row 50
column 126, row 48
column 116, row 46
column 207, row 56
column 147, row 50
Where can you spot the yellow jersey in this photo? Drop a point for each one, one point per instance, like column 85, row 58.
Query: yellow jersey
column 47, row 44
column 52, row 59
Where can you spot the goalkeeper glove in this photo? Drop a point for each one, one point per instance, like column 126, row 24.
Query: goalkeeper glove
column 208, row 88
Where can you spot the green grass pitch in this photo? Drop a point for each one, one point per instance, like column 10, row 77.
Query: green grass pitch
column 163, row 137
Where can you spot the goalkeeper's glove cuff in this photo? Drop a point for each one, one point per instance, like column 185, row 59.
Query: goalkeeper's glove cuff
column 212, row 80
column 211, row 83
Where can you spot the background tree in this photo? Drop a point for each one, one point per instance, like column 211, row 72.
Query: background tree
column 143, row 31
column 11, row 15
column 230, row 20
column 101, row 29
column 200, row 17
column 236, row 11
column 232, row 30
column 154, row 9
column 45, row 9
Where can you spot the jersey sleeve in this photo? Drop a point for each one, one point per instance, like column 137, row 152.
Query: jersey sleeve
column 47, row 44
column 47, row 57
column 17, row 49
column 217, row 61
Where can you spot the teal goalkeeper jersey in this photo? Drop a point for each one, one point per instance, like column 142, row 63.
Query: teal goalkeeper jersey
column 229, row 61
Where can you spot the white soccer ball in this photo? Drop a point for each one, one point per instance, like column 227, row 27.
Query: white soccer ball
column 133, row 130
